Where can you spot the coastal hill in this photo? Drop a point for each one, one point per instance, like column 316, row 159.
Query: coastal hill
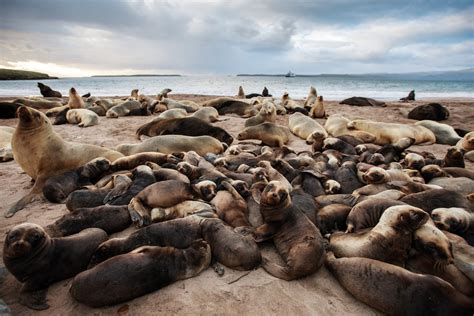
column 11, row 74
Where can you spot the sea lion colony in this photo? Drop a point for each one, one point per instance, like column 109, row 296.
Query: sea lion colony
column 386, row 220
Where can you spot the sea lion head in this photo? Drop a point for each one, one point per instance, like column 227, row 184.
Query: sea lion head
column 320, row 98
column 414, row 161
column 25, row 240
column 241, row 187
column 243, row 134
column 312, row 91
column 72, row 92
column 206, row 189
column 30, row 118
column 317, row 140
column 404, row 217
column 186, row 168
column 467, row 142
column 376, row 175
column 72, row 117
column 453, row 219
column 275, row 194
column 432, row 241
column 94, row 168
column 360, row 149
column 332, row 187
column 432, row 171
column 376, row 159
column 455, row 153
column 198, row 257
column 259, row 174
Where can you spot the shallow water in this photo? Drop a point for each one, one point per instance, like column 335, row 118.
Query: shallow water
column 331, row 87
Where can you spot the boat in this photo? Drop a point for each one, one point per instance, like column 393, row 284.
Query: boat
column 290, row 74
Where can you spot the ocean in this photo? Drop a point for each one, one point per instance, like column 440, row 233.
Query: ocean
column 331, row 87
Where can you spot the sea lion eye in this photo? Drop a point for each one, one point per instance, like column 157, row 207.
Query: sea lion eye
column 12, row 237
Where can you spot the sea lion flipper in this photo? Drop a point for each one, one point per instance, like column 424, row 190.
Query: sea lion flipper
column 20, row 204
column 35, row 300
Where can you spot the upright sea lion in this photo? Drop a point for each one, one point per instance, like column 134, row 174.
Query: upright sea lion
column 362, row 101
column 269, row 133
column 47, row 92
column 267, row 113
column 241, row 93
column 82, row 117
column 297, row 240
column 225, row 105
column 311, row 98
column 75, row 100
column 396, row 291
column 169, row 144
column 189, row 126
column 164, row 93
column 444, row 133
column 317, row 109
column 431, row 111
column 37, row 260
column 292, row 105
column 42, row 153
column 141, row 271
column 410, row 97
column 389, row 241
column 304, row 126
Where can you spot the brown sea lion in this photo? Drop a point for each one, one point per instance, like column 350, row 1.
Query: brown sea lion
column 37, row 260
column 141, row 271
column 396, row 291
column 346, row 176
column 461, row 184
column 454, row 158
column 311, row 98
column 133, row 161
column 75, row 100
column 317, row 109
column 431, row 199
column 6, row 151
column 42, row 153
column 463, row 254
column 207, row 114
column 230, row 206
column 454, row 219
column 389, row 241
column 39, row 104
column 410, row 97
column 430, row 111
column 47, row 92
column 362, row 101
column 304, row 126
column 459, row 172
column 225, row 105
column 297, row 240
column 267, row 113
column 269, row 133
column 332, row 218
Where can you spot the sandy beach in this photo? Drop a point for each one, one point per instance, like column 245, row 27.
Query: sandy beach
column 256, row 292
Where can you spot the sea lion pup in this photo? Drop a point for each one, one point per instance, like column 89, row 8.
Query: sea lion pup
column 454, row 158
column 304, row 126
column 414, row 161
column 377, row 175
column 230, row 206
column 82, row 117
column 111, row 219
column 47, row 92
column 270, row 134
column 38, row 104
column 229, row 247
column 273, row 175
column 181, row 210
column 454, row 219
column 42, row 153
column 389, row 133
column 207, row 114
column 444, row 133
column 367, row 213
column 336, row 125
column 389, row 241
column 169, row 144
column 189, row 126
column 362, row 101
column 396, row 291
column 123, row 109
column 204, row 189
column 291, row 105
column 297, row 240
column 225, row 105
column 332, row 218
column 431, row 199
column 267, row 113
column 61, row 116
column 57, row 188
column 410, row 97
column 318, row 110
column 241, row 93
column 135, row 160
column 346, row 176
column 467, row 142
column 6, row 151
column 157, row 195
column 37, row 260
column 75, row 100
column 141, row 271
column 312, row 96
column 339, row 145
column 8, row 109
column 431, row 111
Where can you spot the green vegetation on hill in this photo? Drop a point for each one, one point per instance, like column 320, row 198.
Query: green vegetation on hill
column 11, row 74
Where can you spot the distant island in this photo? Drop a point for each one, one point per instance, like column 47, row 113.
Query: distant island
column 136, row 75
column 11, row 74
column 454, row 75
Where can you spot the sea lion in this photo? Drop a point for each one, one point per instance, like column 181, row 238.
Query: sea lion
column 454, row 158
column 389, row 241
column 367, row 213
column 109, row 218
column 6, row 151
column 396, row 291
column 225, row 105
column 304, row 126
column 37, row 260
column 332, row 218
column 339, row 145
column 205, row 189
column 433, row 242
column 229, row 247
column 173, row 104
column 454, row 219
column 414, row 161
column 157, row 195
column 75, row 100
column 362, row 101
column 47, row 92
column 164, row 93
column 123, row 109
column 189, row 126
column 467, row 142
column 267, row 113
column 292, row 105
column 241, row 93
column 377, row 175
column 57, row 188
column 311, row 98
column 461, row 185
column 82, row 117
column 463, row 254
column 132, row 161
column 410, row 97
column 389, row 133
column 207, row 114
column 8, row 109
column 346, row 176
column 297, row 240
column 61, row 115
column 169, row 144
column 458, row 172
column 42, row 153
column 431, row 199
column 181, row 210
column 444, row 133
column 336, row 125
column 431, row 111
column 230, row 206
column 141, row 271
column 38, row 104
column 269, row 133
column 317, row 109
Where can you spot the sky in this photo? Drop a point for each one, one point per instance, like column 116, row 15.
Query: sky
column 227, row 37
